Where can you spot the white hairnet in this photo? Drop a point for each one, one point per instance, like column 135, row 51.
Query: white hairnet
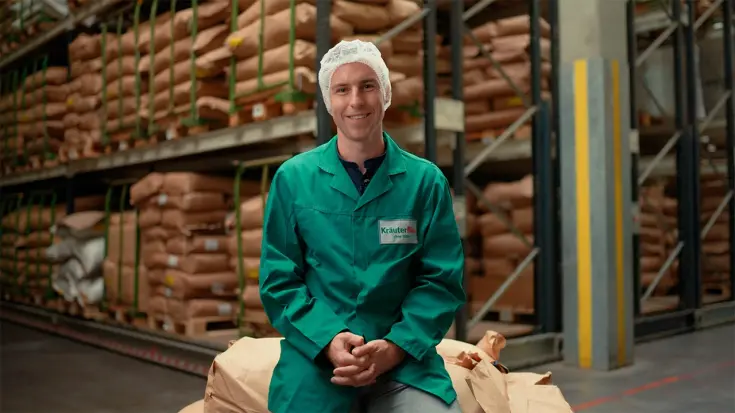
column 354, row 51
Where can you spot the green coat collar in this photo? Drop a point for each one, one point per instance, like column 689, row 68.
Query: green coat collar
column 393, row 164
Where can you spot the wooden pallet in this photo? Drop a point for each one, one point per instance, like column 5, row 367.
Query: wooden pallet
column 197, row 327
column 125, row 315
column 75, row 310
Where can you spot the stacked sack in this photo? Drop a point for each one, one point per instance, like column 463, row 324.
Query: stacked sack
column 80, row 253
column 657, row 237
column 260, row 75
column 254, row 319
column 29, row 235
column 167, row 60
column 503, row 250
column 184, row 248
column 491, row 104
column 26, row 235
column 31, row 118
column 126, row 286
column 239, row 379
column 101, row 73
column 716, row 245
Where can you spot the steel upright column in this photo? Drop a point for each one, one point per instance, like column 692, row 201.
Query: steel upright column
column 688, row 171
column 323, row 44
column 595, row 185
column 430, row 81
column 460, row 204
column 729, row 72
column 635, row 155
column 546, row 285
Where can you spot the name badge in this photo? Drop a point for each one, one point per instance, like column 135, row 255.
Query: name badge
column 398, row 231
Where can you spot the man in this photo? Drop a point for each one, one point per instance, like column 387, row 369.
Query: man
column 361, row 266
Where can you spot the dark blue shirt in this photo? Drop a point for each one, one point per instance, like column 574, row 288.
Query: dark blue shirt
column 361, row 180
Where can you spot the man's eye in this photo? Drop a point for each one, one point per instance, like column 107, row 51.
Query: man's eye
column 341, row 90
column 369, row 86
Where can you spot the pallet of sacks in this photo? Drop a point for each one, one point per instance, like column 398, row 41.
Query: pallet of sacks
column 181, row 217
column 502, row 250
column 106, row 93
column 716, row 245
column 126, row 285
column 491, row 104
column 658, row 225
column 31, row 120
column 254, row 321
column 28, row 234
column 173, row 74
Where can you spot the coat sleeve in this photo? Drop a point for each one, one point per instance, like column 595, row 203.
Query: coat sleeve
column 428, row 310
column 305, row 322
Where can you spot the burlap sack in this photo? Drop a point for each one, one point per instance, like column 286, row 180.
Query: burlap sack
column 251, row 266
column 182, row 93
column 193, row 201
column 184, row 310
column 493, row 120
column 179, row 183
column 251, row 242
column 206, row 41
column 122, row 244
column 509, row 195
column 185, row 286
column 277, row 29
column 149, row 217
column 277, row 60
column 188, row 222
column 251, row 213
column 506, row 245
column 124, row 276
column 196, row 263
column 150, row 185
column 363, row 17
column 208, row 15
column 196, row 244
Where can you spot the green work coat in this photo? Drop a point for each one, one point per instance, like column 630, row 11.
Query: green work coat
column 387, row 264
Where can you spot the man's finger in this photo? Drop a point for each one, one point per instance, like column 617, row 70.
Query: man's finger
column 354, row 340
column 365, row 350
column 345, row 358
column 364, row 378
column 347, row 371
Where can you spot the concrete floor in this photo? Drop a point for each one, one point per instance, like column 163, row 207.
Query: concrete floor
column 687, row 373
column 43, row 373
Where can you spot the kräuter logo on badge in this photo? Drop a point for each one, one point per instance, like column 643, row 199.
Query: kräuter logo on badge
column 399, row 231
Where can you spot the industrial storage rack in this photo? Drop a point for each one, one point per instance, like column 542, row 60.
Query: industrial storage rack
column 686, row 140
column 545, row 344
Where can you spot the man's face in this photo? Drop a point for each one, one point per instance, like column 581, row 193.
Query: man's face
column 357, row 103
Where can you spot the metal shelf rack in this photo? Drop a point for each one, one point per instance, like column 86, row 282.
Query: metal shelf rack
column 686, row 136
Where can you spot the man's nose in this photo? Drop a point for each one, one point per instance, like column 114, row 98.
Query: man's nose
column 356, row 98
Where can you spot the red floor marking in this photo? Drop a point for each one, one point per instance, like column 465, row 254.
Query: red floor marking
column 652, row 385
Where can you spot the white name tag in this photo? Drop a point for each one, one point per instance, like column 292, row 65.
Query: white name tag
column 398, row 231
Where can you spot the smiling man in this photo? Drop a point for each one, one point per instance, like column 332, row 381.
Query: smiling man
column 361, row 266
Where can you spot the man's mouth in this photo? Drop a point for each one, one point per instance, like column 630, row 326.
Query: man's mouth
column 358, row 117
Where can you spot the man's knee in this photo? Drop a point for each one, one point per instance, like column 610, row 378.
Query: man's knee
column 400, row 398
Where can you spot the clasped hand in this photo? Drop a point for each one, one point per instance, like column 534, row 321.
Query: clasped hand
column 357, row 363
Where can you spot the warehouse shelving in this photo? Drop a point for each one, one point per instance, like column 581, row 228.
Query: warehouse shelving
column 437, row 136
column 695, row 140
column 74, row 18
